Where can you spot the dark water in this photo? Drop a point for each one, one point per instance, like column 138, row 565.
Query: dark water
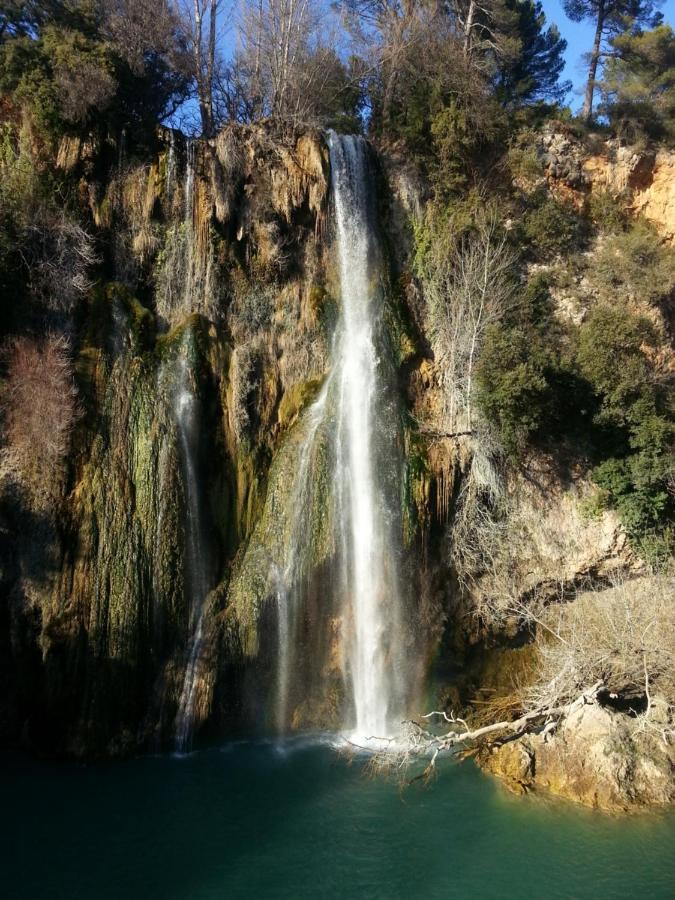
column 252, row 821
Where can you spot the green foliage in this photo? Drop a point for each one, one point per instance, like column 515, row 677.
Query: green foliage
column 638, row 88
column 593, row 506
column 438, row 235
column 611, row 358
column 512, row 387
column 523, row 160
column 540, row 382
column 516, row 372
column 457, row 142
column 605, row 212
column 635, row 263
column 532, row 73
column 551, row 227
column 75, row 66
column 637, row 465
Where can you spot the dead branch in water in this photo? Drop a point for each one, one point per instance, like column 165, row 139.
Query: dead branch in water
column 421, row 743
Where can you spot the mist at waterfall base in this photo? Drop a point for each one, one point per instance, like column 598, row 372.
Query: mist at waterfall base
column 256, row 820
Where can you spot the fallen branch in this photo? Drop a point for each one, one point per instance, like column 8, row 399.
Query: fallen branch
column 422, row 743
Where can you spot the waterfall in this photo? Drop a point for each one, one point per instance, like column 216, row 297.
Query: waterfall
column 186, row 280
column 353, row 407
column 364, row 450
column 186, row 412
column 289, row 580
column 171, row 166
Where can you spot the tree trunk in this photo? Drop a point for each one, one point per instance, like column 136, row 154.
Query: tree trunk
column 587, row 110
column 468, row 27
column 211, row 68
column 204, row 66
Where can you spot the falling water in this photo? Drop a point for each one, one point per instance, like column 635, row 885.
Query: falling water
column 189, row 200
column 186, row 281
column 371, row 593
column 353, row 406
column 186, row 411
column 171, row 166
column 288, row 581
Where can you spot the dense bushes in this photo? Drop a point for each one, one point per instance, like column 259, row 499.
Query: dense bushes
column 635, row 467
column 550, row 226
column 519, row 371
column 598, row 388
column 634, row 263
column 43, row 248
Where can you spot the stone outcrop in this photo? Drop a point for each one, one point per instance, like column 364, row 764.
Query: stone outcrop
column 597, row 757
column 641, row 178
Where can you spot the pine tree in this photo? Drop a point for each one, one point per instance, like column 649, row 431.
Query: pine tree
column 611, row 18
column 638, row 88
column 533, row 74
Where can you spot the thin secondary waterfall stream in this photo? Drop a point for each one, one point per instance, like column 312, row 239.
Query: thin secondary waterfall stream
column 352, row 410
column 187, row 424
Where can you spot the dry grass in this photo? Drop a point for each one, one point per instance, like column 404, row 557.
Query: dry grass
column 40, row 408
column 623, row 636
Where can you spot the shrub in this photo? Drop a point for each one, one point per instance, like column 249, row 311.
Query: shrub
column 611, row 358
column 551, row 227
column 251, row 311
column 623, row 636
column 636, row 467
column 635, row 263
column 519, row 374
column 605, row 212
column 60, row 254
column 523, row 160
column 244, row 384
column 512, row 388
column 39, row 402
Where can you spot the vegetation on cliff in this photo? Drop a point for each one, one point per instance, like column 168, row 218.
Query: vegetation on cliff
column 528, row 310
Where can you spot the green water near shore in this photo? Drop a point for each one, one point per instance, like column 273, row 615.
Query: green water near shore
column 255, row 820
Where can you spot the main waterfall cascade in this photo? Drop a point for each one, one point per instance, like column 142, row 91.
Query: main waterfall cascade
column 354, row 411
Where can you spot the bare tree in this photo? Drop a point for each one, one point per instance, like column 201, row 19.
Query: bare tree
column 623, row 635
column 59, row 255
column 603, row 646
column 387, row 31
column 467, row 292
column 286, row 57
column 203, row 25
column 143, row 28
column 40, row 408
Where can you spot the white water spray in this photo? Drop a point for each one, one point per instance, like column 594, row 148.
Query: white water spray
column 352, row 406
column 371, row 600
column 187, row 422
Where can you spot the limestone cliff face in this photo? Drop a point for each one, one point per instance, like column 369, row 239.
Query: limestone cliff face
column 217, row 289
column 641, row 178
column 212, row 293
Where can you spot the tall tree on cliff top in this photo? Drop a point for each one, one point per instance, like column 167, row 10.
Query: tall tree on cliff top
column 638, row 87
column 611, row 18
column 508, row 40
column 201, row 20
column 533, row 73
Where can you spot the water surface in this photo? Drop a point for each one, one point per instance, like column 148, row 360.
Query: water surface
column 257, row 820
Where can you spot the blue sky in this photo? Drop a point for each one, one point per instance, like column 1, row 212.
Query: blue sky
column 579, row 36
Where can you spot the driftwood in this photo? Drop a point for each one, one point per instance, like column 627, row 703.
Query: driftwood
column 420, row 742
